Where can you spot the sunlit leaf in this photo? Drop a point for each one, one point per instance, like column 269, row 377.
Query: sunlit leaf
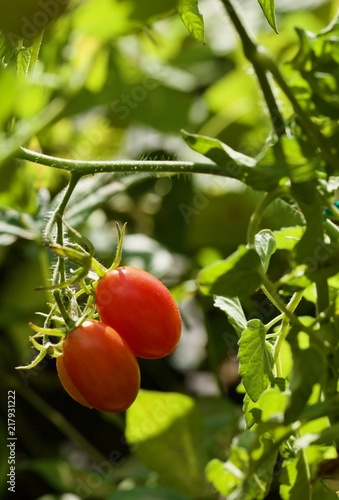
column 327, row 436
column 169, row 426
column 309, row 368
column 242, row 477
column 256, row 361
column 262, row 175
column 268, row 8
column 271, row 403
column 295, row 481
column 306, row 196
column 287, row 237
column 265, row 245
column 223, row 479
column 219, row 152
column 234, row 311
column 192, row 18
column 236, row 276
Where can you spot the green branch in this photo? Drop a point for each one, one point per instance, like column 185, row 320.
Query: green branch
column 253, row 53
column 125, row 166
column 285, row 324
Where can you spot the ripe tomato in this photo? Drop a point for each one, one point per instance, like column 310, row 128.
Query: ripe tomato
column 141, row 309
column 98, row 369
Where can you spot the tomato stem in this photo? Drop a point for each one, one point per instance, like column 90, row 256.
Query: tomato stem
column 82, row 167
column 118, row 254
column 261, row 208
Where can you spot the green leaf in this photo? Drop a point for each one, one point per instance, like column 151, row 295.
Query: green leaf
column 242, row 477
column 255, row 357
column 309, row 368
column 220, row 153
column 269, row 11
column 221, row 422
column 234, row 311
column 192, row 19
column 265, row 245
column 224, row 480
column 271, row 403
column 287, row 237
column 294, row 480
column 23, row 60
column 261, row 176
column 166, row 433
column 327, row 436
column 236, row 276
column 286, row 158
column 308, row 200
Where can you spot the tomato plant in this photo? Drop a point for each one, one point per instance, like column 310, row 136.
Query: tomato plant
column 98, row 369
column 90, row 116
column 141, row 309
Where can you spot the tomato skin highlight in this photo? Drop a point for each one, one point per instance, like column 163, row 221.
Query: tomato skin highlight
column 141, row 309
column 100, row 366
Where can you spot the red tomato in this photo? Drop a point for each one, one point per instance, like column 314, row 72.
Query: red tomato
column 98, row 369
column 141, row 309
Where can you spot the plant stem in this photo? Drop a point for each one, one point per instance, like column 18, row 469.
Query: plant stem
column 56, row 218
column 323, row 295
column 260, row 210
column 291, row 306
column 270, row 292
column 44, row 266
column 126, row 166
column 253, row 53
column 331, row 230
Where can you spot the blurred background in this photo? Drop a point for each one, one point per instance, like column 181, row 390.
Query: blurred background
column 144, row 79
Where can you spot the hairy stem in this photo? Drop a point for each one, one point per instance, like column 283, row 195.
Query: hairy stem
column 283, row 332
column 56, row 218
column 126, row 166
column 253, row 53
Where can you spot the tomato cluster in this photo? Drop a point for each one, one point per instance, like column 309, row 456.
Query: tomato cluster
column 139, row 317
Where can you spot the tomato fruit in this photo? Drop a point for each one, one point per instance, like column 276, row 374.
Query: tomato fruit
column 141, row 309
column 98, row 369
